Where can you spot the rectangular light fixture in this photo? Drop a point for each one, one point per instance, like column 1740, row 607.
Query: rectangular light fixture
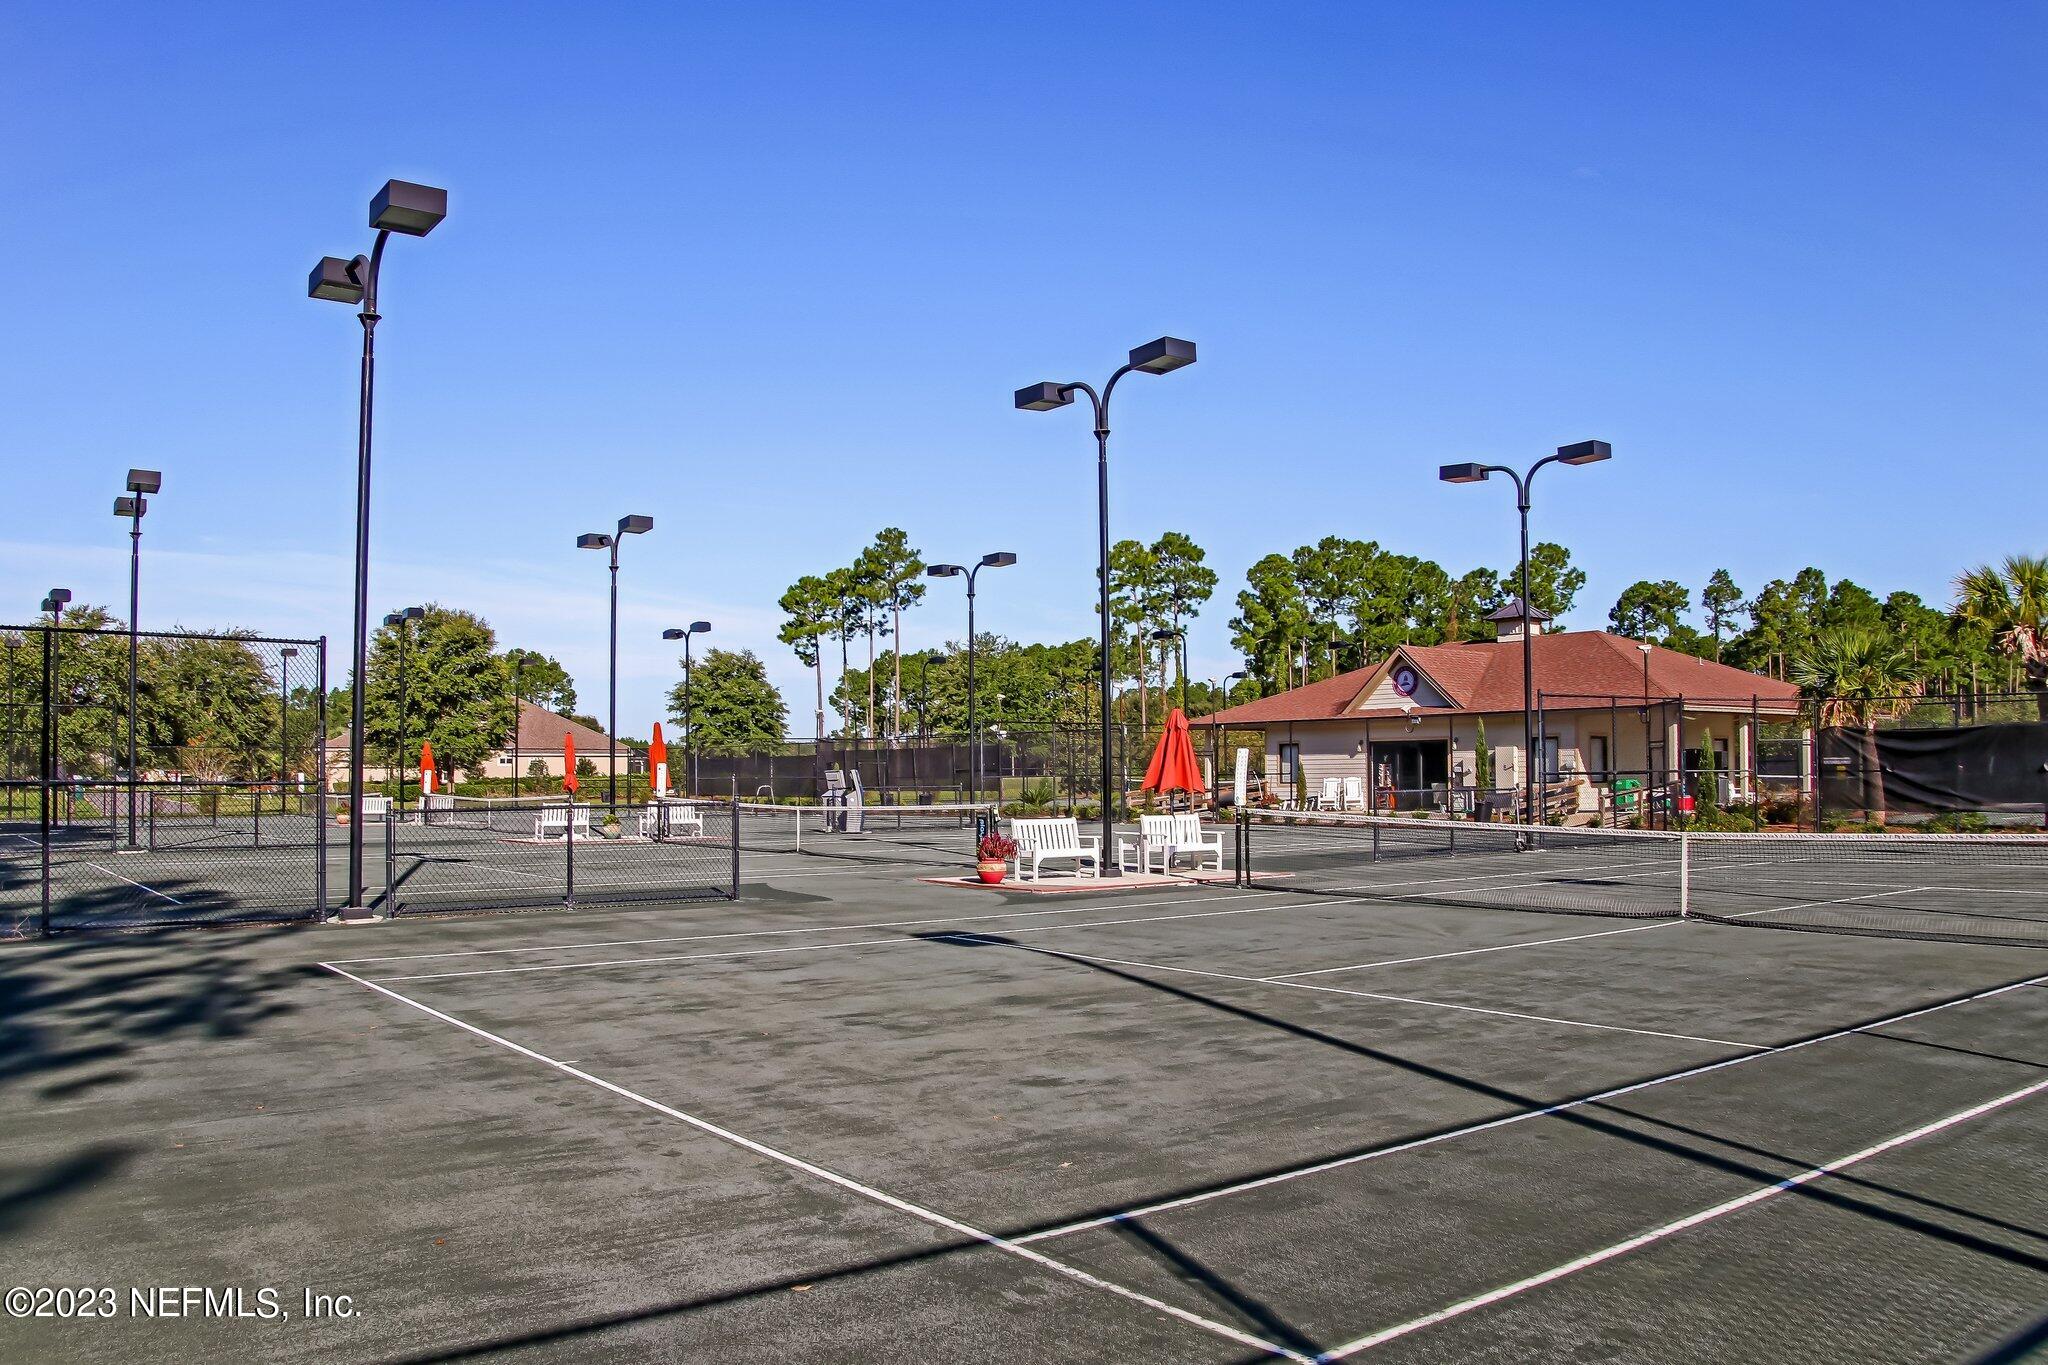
column 1585, row 452
column 402, row 206
column 1163, row 356
column 334, row 279
column 1042, row 398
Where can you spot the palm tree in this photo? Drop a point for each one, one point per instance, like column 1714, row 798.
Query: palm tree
column 2010, row 599
column 1856, row 675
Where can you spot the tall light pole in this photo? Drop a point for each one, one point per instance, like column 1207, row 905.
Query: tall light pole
column 689, row 715
column 999, row 559
column 284, row 716
column 412, row 211
column 397, row 620
column 1162, row 356
column 1580, row 452
column 597, row 540
column 142, row 484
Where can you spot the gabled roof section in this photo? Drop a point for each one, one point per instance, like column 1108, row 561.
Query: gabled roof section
column 1573, row 668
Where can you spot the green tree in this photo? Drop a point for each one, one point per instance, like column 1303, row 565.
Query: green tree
column 1649, row 611
column 2009, row 601
column 738, row 710
column 809, row 615
column 1720, row 599
column 1134, row 599
column 455, row 688
column 1271, row 617
column 542, row 681
column 1852, row 675
column 1185, row 582
column 898, row 572
column 842, row 590
column 1474, row 597
column 1554, row 582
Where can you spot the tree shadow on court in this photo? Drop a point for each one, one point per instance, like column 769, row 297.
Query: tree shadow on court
column 78, row 1013
column 1579, row 1117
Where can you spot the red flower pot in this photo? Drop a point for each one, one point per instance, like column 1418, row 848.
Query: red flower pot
column 992, row 870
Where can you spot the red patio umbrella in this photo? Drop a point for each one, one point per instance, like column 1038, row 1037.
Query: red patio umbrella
column 657, row 761
column 427, row 766
column 1173, row 766
column 569, row 783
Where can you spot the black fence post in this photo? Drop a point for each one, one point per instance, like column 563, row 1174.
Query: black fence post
column 43, row 791
column 735, row 812
column 320, row 795
column 569, row 855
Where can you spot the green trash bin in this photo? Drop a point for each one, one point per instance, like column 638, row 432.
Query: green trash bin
column 1626, row 793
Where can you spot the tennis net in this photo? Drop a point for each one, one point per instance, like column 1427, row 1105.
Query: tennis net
column 1979, row 888
column 937, row 835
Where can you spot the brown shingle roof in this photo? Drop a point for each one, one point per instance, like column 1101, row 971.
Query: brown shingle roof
column 540, row 732
column 1572, row 669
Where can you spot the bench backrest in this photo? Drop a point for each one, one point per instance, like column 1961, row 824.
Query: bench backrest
column 1053, row 834
column 557, row 817
column 1158, row 829
column 376, row 806
column 1187, row 828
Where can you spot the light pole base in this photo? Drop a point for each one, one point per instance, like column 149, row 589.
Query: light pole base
column 356, row 914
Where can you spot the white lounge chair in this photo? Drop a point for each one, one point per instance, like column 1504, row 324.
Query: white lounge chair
column 1354, row 794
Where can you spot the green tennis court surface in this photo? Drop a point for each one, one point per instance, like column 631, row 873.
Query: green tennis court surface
column 854, row 1117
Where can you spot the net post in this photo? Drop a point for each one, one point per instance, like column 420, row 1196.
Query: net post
column 569, row 856
column 1376, row 842
column 45, row 789
column 1243, row 821
column 390, row 862
column 735, row 813
column 1684, row 875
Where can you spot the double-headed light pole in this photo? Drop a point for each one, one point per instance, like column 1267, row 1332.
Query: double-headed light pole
column 598, row 540
column 1162, row 356
column 1581, row 452
column 689, row 714
column 142, row 485
column 411, row 211
column 998, row 559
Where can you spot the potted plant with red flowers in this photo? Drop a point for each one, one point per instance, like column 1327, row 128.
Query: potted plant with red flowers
column 993, row 855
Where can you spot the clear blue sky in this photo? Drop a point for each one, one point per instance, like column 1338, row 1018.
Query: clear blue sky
column 770, row 273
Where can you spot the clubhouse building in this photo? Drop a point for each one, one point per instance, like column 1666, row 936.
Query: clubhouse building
column 1615, row 717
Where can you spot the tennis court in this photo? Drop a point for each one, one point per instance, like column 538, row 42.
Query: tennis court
column 851, row 1116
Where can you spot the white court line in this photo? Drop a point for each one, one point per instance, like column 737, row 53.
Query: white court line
column 1574, row 938
column 897, row 939
column 1338, row 990
column 137, row 885
column 1507, row 1120
column 1641, row 1240
column 810, row 929
column 1468, row 952
column 847, row 1183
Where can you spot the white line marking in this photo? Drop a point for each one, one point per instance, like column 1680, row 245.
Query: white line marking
column 1369, row 995
column 1809, row 905
column 1523, row 1116
column 137, row 885
column 833, row 1177
column 828, row 928
column 1623, row 1248
column 1469, row 952
column 896, row 939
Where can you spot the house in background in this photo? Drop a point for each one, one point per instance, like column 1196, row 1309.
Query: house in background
column 540, row 740
column 1610, row 710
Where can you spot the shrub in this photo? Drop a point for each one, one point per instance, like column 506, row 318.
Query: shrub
column 1039, row 793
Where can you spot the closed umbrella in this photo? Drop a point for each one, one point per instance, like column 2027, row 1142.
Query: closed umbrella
column 1173, row 766
column 569, row 783
column 657, row 761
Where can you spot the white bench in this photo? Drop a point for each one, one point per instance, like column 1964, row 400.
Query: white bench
column 1162, row 838
column 664, row 819
column 1044, row 840
column 376, row 806
column 553, row 821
